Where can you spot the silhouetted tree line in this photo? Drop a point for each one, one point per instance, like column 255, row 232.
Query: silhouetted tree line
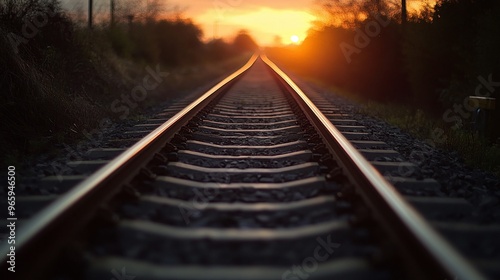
column 33, row 26
column 58, row 78
column 174, row 42
column 446, row 53
column 432, row 61
column 243, row 42
column 171, row 42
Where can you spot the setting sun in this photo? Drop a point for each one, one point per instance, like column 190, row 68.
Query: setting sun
column 263, row 23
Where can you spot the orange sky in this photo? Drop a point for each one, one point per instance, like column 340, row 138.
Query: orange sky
column 264, row 19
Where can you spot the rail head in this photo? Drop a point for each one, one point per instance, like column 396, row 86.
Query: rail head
column 36, row 240
column 390, row 207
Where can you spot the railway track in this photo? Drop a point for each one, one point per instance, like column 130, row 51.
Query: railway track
column 250, row 181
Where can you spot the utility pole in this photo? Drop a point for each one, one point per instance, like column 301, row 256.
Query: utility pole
column 130, row 19
column 216, row 29
column 112, row 12
column 403, row 12
column 90, row 13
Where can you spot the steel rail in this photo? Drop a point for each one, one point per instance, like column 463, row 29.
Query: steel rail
column 45, row 233
column 434, row 256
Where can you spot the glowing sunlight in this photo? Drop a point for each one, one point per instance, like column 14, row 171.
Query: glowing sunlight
column 264, row 24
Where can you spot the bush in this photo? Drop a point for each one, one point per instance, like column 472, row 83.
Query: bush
column 120, row 42
column 445, row 55
column 243, row 42
column 35, row 107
